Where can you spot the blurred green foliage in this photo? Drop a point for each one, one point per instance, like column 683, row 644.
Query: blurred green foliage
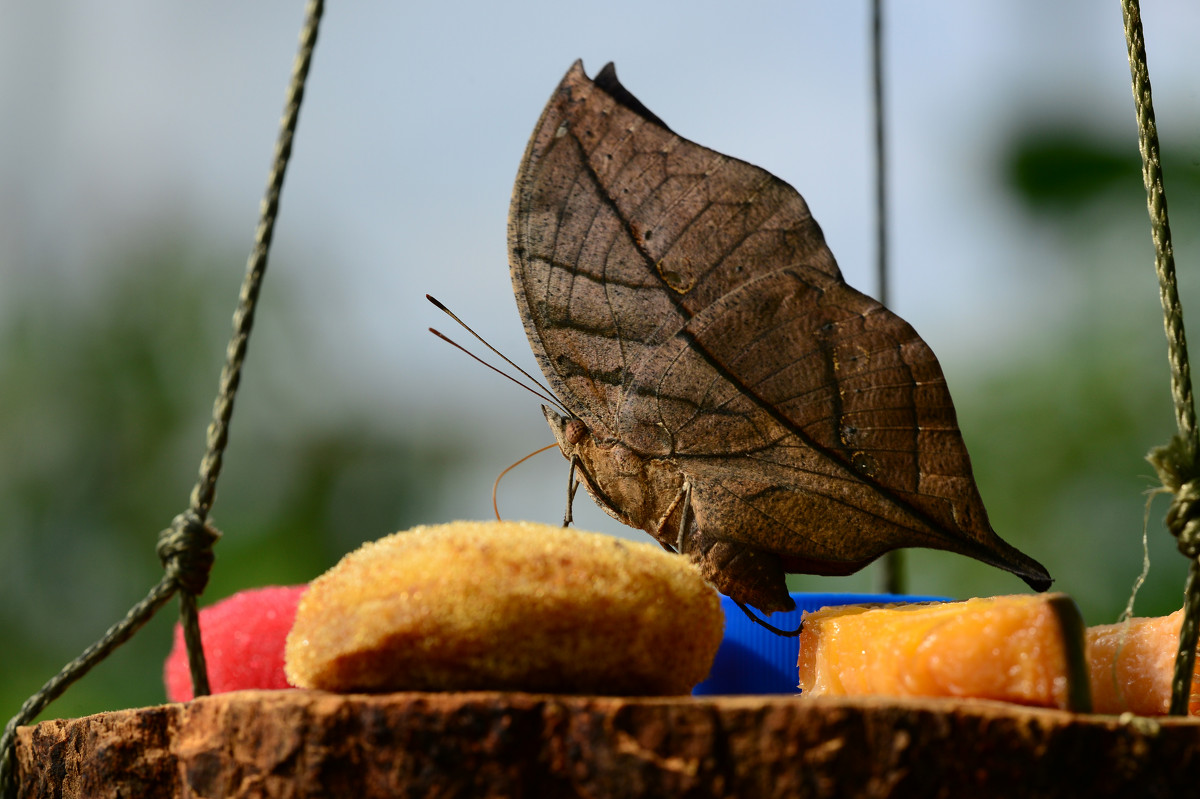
column 106, row 400
column 1078, row 412
column 106, row 397
column 1072, row 170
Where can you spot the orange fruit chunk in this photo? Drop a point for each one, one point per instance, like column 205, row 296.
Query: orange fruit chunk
column 1024, row 648
column 1132, row 664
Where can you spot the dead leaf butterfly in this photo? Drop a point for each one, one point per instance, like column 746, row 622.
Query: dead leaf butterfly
column 728, row 393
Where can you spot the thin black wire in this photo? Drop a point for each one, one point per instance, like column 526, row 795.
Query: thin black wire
column 881, row 202
column 186, row 547
column 891, row 576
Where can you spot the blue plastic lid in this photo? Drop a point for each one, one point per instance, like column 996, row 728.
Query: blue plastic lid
column 754, row 660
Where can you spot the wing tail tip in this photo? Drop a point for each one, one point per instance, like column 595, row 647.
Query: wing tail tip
column 1005, row 556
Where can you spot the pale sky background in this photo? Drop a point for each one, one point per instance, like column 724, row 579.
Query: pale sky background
column 120, row 118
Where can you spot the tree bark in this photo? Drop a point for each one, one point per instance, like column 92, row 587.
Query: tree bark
column 309, row 743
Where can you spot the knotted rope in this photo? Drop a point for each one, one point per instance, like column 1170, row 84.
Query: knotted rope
column 186, row 547
column 1175, row 462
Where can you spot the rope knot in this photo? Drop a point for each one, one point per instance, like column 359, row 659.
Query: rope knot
column 186, row 551
column 1177, row 470
column 1183, row 519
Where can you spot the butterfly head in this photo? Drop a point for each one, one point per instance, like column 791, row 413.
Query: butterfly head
column 569, row 431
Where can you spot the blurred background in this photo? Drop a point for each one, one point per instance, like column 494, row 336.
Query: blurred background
column 134, row 144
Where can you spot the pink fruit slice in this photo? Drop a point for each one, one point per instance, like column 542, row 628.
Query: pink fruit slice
column 243, row 642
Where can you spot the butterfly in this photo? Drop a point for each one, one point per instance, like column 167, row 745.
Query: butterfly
column 724, row 389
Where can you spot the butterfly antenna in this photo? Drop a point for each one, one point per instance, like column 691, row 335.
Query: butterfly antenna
column 496, row 485
column 453, row 343
column 785, row 633
column 543, row 390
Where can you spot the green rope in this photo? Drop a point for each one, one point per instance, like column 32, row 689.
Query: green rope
column 1176, row 462
column 186, row 547
column 890, row 578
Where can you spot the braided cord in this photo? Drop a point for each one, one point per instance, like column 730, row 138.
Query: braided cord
column 204, row 492
column 1176, row 462
column 186, row 547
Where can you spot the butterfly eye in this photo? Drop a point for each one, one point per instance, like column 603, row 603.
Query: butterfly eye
column 576, row 430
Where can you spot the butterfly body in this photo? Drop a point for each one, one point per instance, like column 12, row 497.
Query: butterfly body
column 634, row 489
column 651, row 494
column 727, row 391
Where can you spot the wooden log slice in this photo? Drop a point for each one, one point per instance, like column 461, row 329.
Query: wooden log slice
column 309, row 743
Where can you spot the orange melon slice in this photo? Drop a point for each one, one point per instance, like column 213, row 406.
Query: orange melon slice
column 1132, row 665
column 1026, row 648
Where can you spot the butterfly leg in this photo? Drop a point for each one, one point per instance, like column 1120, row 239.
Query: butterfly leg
column 685, row 517
column 572, row 487
column 783, row 633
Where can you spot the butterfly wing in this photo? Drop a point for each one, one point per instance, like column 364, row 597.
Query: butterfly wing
column 685, row 303
column 814, row 423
